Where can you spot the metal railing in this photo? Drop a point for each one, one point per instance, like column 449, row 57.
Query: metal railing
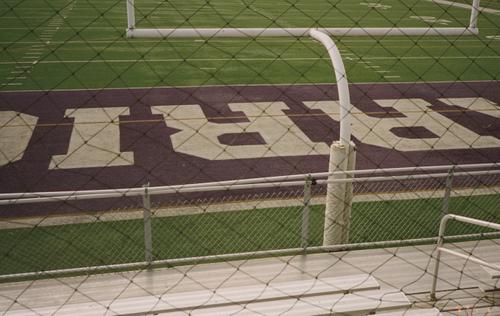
column 305, row 208
column 469, row 257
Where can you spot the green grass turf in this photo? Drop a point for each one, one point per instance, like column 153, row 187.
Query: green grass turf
column 101, row 243
column 89, row 50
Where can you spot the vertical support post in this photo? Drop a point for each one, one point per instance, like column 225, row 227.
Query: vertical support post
column 148, row 238
column 130, row 15
column 442, row 228
column 447, row 192
column 474, row 14
column 305, row 212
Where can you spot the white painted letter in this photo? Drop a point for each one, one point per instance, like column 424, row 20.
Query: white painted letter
column 199, row 137
column 379, row 131
column 95, row 140
column 16, row 130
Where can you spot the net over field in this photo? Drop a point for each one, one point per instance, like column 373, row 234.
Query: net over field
column 139, row 134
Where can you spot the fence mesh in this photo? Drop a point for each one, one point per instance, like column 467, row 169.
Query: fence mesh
column 109, row 95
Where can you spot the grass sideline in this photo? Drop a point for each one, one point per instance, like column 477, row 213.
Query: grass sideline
column 104, row 243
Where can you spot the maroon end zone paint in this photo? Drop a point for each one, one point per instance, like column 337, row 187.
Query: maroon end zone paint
column 155, row 161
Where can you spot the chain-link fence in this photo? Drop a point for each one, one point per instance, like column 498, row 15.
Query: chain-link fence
column 141, row 133
column 255, row 218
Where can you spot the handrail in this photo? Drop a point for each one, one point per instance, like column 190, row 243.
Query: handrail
column 256, row 183
column 315, row 176
column 440, row 248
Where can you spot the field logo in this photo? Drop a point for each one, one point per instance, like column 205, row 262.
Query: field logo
column 265, row 131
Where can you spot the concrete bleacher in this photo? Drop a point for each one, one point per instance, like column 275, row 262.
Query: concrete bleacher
column 384, row 281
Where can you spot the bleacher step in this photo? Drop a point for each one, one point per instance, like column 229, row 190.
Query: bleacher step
column 361, row 303
column 412, row 312
column 494, row 274
column 229, row 295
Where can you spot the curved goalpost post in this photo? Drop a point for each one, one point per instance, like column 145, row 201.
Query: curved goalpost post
column 342, row 152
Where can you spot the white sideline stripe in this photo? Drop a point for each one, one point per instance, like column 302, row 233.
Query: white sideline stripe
column 244, row 59
column 132, row 214
column 229, row 40
column 465, row 6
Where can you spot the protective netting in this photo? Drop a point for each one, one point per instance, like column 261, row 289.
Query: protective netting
column 171, row 156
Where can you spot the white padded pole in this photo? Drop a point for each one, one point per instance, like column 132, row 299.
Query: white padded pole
column 334, row 227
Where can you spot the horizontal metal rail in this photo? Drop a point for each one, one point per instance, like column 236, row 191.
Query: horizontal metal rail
column 11, row 198
column 469, row 257
column 46, row 197
column 207, row 33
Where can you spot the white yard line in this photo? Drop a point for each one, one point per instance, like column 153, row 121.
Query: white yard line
column 228, row 40
column 465, row 6
column 35, row 51
column 246, row 59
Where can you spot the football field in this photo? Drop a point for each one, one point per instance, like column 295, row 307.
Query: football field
column 53, row 45
column 83, row 107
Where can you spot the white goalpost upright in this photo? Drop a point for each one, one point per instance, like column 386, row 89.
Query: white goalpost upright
column 342, row 152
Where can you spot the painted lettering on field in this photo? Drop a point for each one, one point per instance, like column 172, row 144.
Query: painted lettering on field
column 95, row 140
column 270, row 133
column 420, row 128
column 16, row 130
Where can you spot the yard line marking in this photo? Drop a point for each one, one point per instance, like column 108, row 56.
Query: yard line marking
column 17, row 77
column 277, row 40
column 250, row 59
column 382, row 71
column 370, row 66
column 391, row 77
column 12, row 84
column 33, row 53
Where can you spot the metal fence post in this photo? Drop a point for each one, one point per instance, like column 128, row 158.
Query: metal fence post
column 305, row 212
column 148, row 238
column 447, row 191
